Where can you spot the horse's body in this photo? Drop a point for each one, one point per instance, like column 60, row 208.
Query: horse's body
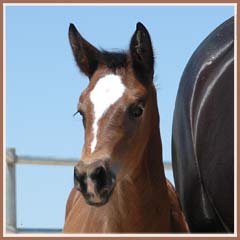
column 120, row 184
column 203, row 134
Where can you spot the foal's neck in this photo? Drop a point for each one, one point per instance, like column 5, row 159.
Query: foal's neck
column 150, row 171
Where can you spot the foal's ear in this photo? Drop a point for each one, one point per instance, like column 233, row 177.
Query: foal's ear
column 86, row 55
column 142, row 54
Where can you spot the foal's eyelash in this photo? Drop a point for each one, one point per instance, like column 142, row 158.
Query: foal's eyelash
column 77, row 112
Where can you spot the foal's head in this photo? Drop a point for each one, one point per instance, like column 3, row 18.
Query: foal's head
column 118, row 109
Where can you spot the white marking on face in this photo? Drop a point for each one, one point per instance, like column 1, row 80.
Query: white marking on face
column 105, row 93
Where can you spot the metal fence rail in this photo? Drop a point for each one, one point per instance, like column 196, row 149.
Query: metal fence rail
column 11, row 160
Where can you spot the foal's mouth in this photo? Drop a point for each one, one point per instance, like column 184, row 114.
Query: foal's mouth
column 96, row 191
column 100, row 199
column 104, row 199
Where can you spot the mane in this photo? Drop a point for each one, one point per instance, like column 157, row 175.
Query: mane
column 115, row 60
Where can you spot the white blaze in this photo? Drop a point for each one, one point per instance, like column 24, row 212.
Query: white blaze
column 105, row 93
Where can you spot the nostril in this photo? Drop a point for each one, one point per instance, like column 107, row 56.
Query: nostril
column 80, row 179
column 99, row 172
column 99, row 176
column 83, row 183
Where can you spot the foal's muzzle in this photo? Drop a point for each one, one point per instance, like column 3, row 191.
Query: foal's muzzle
column 95, row 181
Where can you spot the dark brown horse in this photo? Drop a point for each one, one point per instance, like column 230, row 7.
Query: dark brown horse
column 120, row 184
column 203, row 134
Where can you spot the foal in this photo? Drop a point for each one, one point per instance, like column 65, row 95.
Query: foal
column 120, row 184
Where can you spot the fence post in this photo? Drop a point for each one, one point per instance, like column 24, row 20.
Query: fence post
column 10, row 191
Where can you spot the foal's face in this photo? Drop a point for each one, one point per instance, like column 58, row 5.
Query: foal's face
column 116, row 112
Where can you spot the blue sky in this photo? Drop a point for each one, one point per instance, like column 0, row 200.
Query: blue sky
column 43, row 85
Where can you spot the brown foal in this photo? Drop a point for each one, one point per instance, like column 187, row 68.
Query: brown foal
column 120, row 185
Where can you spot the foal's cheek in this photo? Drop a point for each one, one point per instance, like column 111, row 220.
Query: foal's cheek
column 131, row 126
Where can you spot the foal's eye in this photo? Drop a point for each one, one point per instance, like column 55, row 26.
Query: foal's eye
column 136, row 111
